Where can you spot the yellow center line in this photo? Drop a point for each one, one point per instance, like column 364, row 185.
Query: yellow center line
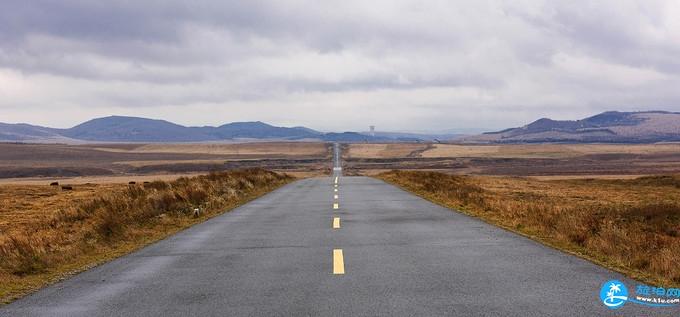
column 336, row 206
column 338, row 262
column 336, row 190
column 336, row 179
column 336, row 223
column 335, row 196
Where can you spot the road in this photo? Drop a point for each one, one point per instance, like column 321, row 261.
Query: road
column 382, row 252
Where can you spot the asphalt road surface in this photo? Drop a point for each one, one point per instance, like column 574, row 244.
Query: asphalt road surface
column 382, row 252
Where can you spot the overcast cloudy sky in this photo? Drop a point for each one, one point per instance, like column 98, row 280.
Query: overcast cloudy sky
column 337, row 65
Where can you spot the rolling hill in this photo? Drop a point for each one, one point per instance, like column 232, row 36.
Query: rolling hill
column 133, row 129
column 260, row 130
column 22, row 132
column 607, row 127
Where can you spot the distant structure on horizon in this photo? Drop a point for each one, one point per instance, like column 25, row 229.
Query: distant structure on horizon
column 372, row 129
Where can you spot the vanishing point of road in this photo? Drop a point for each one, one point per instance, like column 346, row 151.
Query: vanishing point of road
column 336, row 246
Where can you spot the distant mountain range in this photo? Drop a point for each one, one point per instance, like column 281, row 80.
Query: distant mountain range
column 133, row 129
column 607, row 127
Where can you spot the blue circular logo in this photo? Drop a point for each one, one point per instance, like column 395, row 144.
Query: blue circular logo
column 613, row 294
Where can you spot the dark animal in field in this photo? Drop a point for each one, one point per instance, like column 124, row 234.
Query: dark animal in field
column 54, row 184
column 66, row 187
column 132, row 183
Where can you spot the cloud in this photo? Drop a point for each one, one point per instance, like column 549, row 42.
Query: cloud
column 337, row 65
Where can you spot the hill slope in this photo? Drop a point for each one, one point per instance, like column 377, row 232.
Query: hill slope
column 260, row 130
column 22, row 132
column 133, row 129
column 607, row 127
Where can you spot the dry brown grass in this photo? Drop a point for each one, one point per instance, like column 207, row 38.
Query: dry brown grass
column 254, row 148
column 167, row 162
column 452, row 150
column 632, row 225
column 103, row 160
column 46, row 233
column 546, row 150
column 389, row 150
column 91, row 180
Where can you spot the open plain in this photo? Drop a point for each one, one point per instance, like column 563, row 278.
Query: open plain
column 544, row 160
column 127, row 162
column 584, row 200
column 120, row 163
column 370, row 247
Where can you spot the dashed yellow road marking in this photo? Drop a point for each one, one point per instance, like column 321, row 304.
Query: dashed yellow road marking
column 335, row 196
column 336, row 190
column 336, row 223
column 338, row 262
column 336, row 179
column 336, row 206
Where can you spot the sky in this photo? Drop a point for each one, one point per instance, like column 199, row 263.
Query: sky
column 337, row 65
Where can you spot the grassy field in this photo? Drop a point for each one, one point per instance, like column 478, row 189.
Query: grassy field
column 630, row 225
column 388, row 150
column 550, row 160
column 47, row 233
column 117, row 161
column 400, row 150
column 268, row 149
column 56, row 161
column 547, row 150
